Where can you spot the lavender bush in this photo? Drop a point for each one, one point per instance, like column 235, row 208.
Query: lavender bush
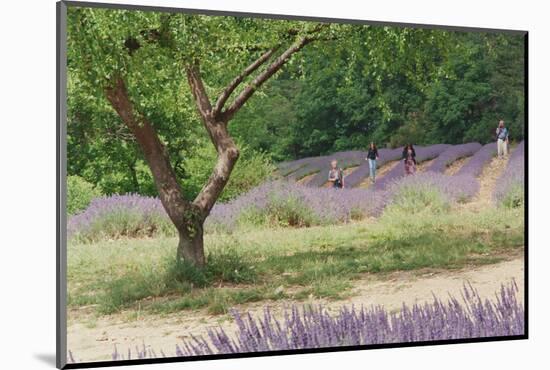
column 120, row 216
column 286, row 168
column 314, row 327
column 288, row 203
column 475, row 165
column 422, row 154
column 312, row 166
column 451, row 154
column 509, row 189
column 275, row 203
column 431, row 190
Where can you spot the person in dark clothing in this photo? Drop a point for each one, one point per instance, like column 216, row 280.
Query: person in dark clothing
column 372, row 157
column 409, row 158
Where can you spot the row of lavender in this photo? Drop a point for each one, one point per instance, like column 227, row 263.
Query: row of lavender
column 509, row 189
column 422, row 154
column 277, row 203
column 316, row 328
column 443, row 154
column 111, row 217
column 288, row 203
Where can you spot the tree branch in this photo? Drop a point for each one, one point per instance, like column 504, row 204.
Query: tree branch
column 227, row 157
column 226, row 93
column 198, row 90
column 222, row 141
column 264, row 76
column 170, row 192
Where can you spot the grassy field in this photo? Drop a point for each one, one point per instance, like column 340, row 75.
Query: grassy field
column 285, row 263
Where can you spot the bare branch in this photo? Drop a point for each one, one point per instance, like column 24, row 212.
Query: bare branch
column 227, row 157
column 226, row 93
column 198, row 90
column 264, row 76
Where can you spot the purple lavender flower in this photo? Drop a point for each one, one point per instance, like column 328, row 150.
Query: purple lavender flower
column 453, row 188
column 451, row 154
column 315, row 327
column 120, row 215
column 287, row 199
column 475, row 165
column 422, row 154
column 509, row 189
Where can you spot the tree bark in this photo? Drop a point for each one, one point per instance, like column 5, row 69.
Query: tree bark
column 191, row 243
column 228, row 153
column 186, row 217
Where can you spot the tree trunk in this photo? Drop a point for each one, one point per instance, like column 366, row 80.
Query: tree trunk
column 133, row 175
column 187, row 217
column 191, row 243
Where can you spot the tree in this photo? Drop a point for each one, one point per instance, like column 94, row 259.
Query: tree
column 120, row 51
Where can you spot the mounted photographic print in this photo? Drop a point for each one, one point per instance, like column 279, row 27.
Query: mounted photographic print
column 237, row 184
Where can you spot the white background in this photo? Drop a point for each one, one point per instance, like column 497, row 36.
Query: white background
column 27, row 181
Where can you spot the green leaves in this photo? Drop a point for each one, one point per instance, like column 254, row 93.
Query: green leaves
column 354, row 84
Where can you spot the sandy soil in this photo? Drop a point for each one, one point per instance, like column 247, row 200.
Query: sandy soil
column 304, row 180
column 487, row 182
column 421, row 167
column 94, row 340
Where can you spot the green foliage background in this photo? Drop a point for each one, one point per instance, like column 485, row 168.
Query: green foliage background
column 355, row 85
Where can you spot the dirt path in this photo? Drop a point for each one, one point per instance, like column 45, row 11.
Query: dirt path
column 93, row 340
column 304, row 180
column 456, row 165
column 487, row 182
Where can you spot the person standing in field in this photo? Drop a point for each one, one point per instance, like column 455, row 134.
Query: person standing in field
column 336, row 175
column 372, row 157
column 502, row 139
column 409, row 158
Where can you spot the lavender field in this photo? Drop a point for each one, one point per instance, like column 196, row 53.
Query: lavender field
column 284, row 202
column 290, row 241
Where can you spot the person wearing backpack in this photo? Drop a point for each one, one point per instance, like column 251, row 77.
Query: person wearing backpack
column 409, row 158
column 502, row 139
column 372, row 157
column 336, row 175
